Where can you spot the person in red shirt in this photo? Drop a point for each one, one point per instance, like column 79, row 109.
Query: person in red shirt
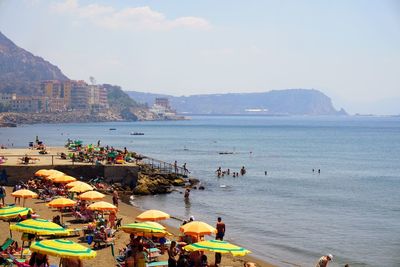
column 220, row 229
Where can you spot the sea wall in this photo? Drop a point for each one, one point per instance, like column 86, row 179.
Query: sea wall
column 126, row 175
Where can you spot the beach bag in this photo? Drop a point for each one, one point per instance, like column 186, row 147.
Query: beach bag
column 89, row 239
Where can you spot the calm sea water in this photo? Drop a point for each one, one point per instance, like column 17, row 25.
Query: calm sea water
column 291, row 216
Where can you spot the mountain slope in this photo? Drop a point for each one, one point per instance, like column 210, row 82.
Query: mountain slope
column 284, row 102
column 21, row 71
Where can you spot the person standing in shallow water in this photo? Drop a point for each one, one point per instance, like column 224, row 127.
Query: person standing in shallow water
column 324, row 260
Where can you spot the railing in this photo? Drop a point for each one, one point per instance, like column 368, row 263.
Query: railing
column 164, row 167
column 48, row 159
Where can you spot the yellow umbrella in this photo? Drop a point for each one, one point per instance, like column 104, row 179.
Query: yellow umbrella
column 152, row 215
column 75, row 183
column 217, row 246
column 61, row 202
column 91, row 195
column 54, row 176
column 10, row 212
column 52, row 173
column 43, row 173
column 102, row 206
column 145, row 229
column 81, row 188
column 39, row 227
column 63, row 248
column 63, row 179
column 24, row 193
column 197, row 228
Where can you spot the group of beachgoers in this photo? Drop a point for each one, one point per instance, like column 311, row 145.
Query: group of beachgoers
column 221, row 173
column 98, row 154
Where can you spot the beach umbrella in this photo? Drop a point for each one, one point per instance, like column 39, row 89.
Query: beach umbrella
column 217, row 246
column 61, row 202
column 81, row 188
column 53, row 176
column 152, row 215
column 145, row 229
column 63, row 179
column 53, row 172
column 39, row 227
column 197, row 228
column 43, row 173
column 76, row 183
column 102, row 206
column 10, row 212
column 91, row 195
column 24, row 193
column 62, row 248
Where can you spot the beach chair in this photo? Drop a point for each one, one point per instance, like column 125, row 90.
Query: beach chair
column 6, row 244
column 12, row 260
column 157, row 263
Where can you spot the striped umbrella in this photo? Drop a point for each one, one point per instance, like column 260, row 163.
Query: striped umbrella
column 91, row 195
column 152, row 215
column 39, row 227
column 62, row 248
column 217, row 246
column 10, row 212
column 145, row 229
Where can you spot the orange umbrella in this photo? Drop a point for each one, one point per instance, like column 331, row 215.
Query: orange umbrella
column 43, row 173
column 91, row 195
column 152, row 215
column 61, row 203
column 102, row 206
column 76, row 183
column 63, row 179
column 197, row 228
column 81, row 188
column 24, row 193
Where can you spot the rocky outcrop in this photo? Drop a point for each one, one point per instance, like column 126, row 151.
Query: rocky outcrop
column 151, row 182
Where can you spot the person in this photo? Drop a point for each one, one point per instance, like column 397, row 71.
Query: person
column 115, row 198
column 203, row 261
column 324, row 260
column 172, row 252
column 141, row 258
column 187, row 193
column 319, row 171
column 130, row 259
column 249, row 264
column 16, row 188
column 4, row 176
column 176, row 166
column 347, row 265
column 57, row 220
column 220, row 229
column 112, row 217
column 265, row 173
column 242, row 171
column 39, row 260
column 98, row 143
column 2, row 194
column 71, row 262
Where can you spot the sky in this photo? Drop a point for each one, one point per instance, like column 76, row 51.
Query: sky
column 348, row 49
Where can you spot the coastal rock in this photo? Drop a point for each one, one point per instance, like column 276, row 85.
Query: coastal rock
column 179, row 182
column 193, row 181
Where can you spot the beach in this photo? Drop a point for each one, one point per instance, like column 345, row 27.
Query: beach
column 104, row 256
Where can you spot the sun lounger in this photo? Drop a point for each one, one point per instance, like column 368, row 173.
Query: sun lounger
column 6, row 244
column 157, row 263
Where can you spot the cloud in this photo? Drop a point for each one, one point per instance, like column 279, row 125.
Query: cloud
column 130, row 18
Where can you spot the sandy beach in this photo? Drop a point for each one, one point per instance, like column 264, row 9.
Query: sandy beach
column 104, row 256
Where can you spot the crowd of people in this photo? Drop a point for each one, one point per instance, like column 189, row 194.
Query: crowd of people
column 221, row 173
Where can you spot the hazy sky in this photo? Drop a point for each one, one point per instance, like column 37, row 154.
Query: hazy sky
column 348, row 49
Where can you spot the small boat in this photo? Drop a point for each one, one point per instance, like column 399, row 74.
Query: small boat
column 136, row 133
column 112, row 129
column 225, row 153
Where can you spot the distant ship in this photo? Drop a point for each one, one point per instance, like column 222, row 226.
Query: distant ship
column 113, row 129
column 136, row 133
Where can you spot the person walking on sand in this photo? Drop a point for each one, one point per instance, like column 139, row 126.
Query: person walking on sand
column 115, row 198
column 324, row 260
column 187, row 193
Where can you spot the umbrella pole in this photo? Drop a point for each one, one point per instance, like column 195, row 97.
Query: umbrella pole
column 23, row 203
column 9, row 224
column 60, row 262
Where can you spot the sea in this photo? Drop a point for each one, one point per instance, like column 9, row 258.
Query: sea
column 281, row 210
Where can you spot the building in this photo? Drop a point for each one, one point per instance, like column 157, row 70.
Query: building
column 163, row 102
column 79, row 95
column 25, row 104
column 58, row 95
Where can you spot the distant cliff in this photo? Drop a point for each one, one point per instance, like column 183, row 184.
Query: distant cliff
column 277, row 102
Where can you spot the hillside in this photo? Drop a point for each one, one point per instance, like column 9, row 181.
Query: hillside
column 21, row 71
column 277, row 102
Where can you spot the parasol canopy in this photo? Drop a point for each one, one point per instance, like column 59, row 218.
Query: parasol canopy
column 62, row 248
column 217, row 246
column 39, row 227
column 152, row 215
